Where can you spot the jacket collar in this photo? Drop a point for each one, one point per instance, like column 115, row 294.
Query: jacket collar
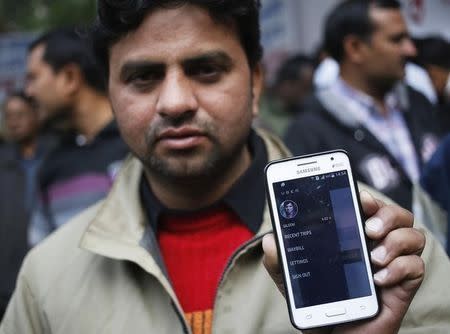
column 119, row 229
column 344, row 106
column 246, row 197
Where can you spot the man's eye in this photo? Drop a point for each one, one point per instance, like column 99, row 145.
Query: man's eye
column 144, row 79
column 399, row 38
column 205, row 73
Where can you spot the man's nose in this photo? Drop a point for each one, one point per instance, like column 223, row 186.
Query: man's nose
column 176, row 95
column 409, row 49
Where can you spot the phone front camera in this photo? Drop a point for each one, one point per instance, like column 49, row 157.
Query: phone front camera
column 332, row 158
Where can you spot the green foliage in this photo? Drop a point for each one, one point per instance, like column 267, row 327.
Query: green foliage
column 31, row 15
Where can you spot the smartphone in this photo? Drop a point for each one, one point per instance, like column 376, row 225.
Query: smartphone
column 318, row 224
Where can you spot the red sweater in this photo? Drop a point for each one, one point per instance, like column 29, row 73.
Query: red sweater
column 196, row 249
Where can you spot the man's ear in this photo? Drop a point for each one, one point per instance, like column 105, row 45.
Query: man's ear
column 438, row 77
column 257, row 87
column 71, row 79
column 354, row 49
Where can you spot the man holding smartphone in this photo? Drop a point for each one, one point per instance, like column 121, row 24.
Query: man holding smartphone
column 176, row 246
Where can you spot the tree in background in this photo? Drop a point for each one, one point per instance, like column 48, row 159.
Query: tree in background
column 31, row 15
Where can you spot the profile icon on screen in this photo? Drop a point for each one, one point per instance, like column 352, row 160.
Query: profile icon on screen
column 288, row 209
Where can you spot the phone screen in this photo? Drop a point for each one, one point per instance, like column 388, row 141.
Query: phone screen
column 321, row 239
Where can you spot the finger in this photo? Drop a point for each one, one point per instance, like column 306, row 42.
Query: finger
column 403, row 241
column 270, row 253
column 271, row 262
column 387, row 219
column 405, row 270
column 370, row 204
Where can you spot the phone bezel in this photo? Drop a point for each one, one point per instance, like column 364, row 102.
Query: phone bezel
column 294, row 313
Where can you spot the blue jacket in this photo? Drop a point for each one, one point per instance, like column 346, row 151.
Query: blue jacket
column 435, row 179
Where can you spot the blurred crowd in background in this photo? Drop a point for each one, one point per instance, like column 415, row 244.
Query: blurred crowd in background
column 61, row 148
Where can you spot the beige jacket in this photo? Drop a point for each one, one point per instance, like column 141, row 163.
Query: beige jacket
column 101, row 274
column 429, row 212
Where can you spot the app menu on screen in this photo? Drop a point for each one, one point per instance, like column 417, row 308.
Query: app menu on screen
column 321, row 239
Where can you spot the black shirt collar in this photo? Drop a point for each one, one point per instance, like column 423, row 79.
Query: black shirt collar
column 246, row 197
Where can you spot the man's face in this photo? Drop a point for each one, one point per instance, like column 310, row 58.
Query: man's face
column 183, row 94
column 20, row 119
column 289, row 208
column 439, row 78
column 44, row 85
column 293, row 92
column 388, row 48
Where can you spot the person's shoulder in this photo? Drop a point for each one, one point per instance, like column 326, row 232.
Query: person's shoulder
column 435, row 175
column 54, row 259
column 310, row 105
column 441, row 157
column 417, row 97
column 57, row 149
column 7, row 152
column 311, row 122
column 445, row 144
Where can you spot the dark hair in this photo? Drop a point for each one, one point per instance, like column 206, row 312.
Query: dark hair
column 351, row 17
column 433, row 50
column 72, row 46
column 115, row 18
column 289, row 69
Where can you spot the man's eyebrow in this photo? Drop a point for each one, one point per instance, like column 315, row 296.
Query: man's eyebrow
column 217, row 57
column 140, row 66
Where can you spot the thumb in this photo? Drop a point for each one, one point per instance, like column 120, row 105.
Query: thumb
column 271, row 262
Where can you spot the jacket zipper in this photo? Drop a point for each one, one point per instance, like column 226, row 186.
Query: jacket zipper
column 180, row 314
column 225, row 271
column 228, row 266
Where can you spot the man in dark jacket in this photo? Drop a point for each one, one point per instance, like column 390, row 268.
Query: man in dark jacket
column 63, row 74
column 387, row 128
column 20, row 159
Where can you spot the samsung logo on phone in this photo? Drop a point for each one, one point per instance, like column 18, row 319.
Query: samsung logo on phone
column 308, row 170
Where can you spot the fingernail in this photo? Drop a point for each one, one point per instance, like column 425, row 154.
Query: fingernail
column 379, row 254
column 374, row 224
column 365, row 196
column 381, row 275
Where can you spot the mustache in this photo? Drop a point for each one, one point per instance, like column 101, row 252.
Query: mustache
column 178, row 120
column 174, row 122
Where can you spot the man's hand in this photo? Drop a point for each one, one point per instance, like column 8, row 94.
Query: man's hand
column 399, row 270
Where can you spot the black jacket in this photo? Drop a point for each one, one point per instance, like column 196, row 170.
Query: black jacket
column 435, row 180
column 318, row 129
column 14, row 216
column 13, row 223
column 69, row 163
